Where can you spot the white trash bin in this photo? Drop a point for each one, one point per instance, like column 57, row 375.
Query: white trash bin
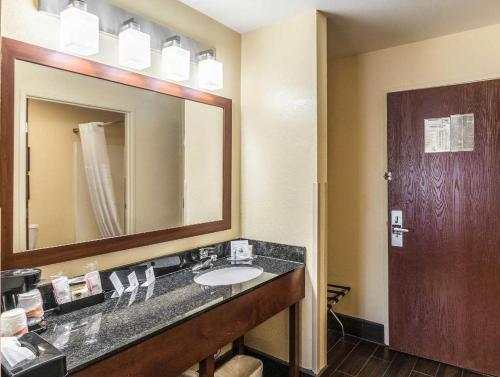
column 189, row 373
column 241, row 366
column 238, row 366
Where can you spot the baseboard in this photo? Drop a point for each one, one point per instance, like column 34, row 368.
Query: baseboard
column 358, row 327
column 275, row 366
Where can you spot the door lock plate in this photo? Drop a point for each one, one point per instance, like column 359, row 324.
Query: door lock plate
column 396, row 228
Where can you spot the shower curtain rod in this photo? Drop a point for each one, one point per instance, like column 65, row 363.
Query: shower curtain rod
column 76, row 130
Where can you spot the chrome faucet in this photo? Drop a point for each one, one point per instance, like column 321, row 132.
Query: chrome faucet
column 207, row 259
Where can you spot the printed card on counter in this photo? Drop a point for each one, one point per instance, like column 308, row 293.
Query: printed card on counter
column 117, row 284
column 132, row 281
column 150, row 277
column 240, row 250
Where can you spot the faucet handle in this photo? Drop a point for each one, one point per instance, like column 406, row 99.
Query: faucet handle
column 206, row 252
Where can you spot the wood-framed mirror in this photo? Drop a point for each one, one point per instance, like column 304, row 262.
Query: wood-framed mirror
column 96, row 159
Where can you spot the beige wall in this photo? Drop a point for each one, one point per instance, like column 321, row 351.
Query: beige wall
column 21, row 20
column 52, row 169
column 279, row 159
column 357, row 150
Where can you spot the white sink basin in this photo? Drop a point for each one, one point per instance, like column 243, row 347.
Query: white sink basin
column 228, row 275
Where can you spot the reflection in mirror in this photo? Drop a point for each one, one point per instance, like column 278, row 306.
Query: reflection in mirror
column 76, row 175
column 98, row 159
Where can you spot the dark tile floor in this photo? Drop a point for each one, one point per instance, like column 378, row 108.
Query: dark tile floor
column 355, row 357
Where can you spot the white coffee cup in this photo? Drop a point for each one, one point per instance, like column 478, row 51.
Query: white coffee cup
column 13, row 322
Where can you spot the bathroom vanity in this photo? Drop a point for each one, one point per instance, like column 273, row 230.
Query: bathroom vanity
column 164, row 329
column 167, row 162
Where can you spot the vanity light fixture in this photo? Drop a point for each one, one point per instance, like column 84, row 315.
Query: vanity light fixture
column 79, row 31
column 175, row 60
column 134, row 46
column 210, row 74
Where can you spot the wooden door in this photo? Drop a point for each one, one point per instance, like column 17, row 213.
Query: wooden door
column 444, row 282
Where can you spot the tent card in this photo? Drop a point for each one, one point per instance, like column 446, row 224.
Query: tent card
column 133, row 282
column 240, row 250
column 449, row 134
column 150, row 277
column 437, row 135
column 117, row 284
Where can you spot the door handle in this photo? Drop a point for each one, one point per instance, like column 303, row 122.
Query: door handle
column 399, row 229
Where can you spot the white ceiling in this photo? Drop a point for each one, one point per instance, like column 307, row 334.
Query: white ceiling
column 357, row 26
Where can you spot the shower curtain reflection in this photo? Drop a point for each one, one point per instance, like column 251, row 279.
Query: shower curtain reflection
column 99, row 180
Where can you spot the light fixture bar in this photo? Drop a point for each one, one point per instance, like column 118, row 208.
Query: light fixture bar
column 112, row 17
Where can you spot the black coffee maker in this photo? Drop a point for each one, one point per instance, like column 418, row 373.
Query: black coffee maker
column 49, row 361
column 15, row 282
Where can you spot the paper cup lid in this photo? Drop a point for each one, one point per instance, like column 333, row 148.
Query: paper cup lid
column 35, row 293
column 13, row 313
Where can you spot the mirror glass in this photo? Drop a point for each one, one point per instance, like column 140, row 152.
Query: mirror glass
column 95, row 159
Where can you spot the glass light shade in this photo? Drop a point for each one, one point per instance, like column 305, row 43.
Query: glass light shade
column 79, row 32
column 134, row 48
column 210, row 75
column 175, row 63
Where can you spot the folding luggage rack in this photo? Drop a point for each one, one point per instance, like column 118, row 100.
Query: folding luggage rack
column 335, row 294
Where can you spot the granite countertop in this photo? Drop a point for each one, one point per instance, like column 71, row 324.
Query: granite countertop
column 94, row 333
